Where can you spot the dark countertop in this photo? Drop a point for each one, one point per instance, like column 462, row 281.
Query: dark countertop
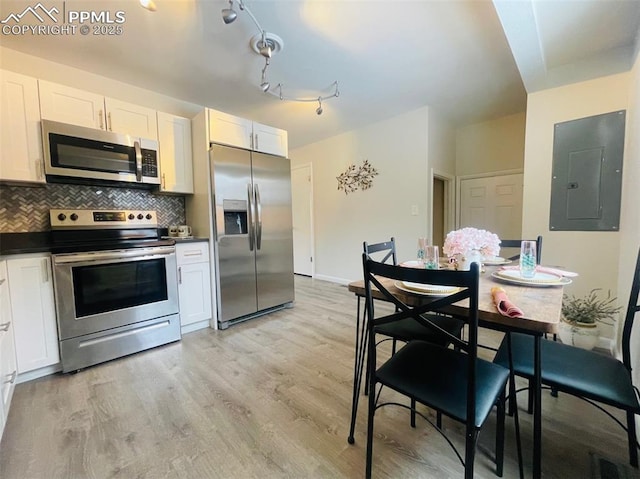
column 40, row 242
column 21, row 243
column 190, row 239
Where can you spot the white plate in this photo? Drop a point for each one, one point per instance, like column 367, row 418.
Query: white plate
column 413, row 264
column 496, row 261
column 540, row 279
column 426, row 289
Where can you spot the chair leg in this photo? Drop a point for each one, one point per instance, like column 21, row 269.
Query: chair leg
column 500, row 434
column 413, row 412
column 371, row 414
column 439, row 420
column 366, row 376
column 393, row 348
column 631, row 433
column 470, row 451
column 530, row 394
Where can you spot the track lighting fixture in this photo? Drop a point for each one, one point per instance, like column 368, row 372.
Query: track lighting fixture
column 266, row 44
column 228, row 14
column 149, row 5
column 265, row 84
column 265, row 48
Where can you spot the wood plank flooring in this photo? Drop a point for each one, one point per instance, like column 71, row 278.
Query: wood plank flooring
column 267, row 398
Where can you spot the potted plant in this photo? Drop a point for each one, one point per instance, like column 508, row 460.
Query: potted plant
column 580, row 318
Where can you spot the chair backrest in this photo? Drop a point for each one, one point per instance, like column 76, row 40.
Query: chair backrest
column 416, row 306
column 515, row 243
column 386, row 249
column 632, row 309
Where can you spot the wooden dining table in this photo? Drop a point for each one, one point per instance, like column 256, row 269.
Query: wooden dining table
column 540, row 304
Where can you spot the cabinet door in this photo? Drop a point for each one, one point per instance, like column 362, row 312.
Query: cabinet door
column 268, row 139
column 20, row 138
column 194, row 290
column 33, row 310
column 69, row 105
column 230, row 130
column 134, row 120
column 176, row 158
column 8, row 369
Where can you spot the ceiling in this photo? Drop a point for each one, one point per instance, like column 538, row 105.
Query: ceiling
column 470, row 60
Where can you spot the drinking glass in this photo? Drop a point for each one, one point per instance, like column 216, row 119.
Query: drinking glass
column 422, row 244
column 431, row 257
column 528, row 259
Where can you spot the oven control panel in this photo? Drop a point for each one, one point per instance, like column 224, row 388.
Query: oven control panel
column 87, row 219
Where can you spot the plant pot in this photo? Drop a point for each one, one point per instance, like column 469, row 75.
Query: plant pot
column 580, row 335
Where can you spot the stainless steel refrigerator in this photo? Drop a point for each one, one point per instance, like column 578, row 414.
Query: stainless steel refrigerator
column 251, row 195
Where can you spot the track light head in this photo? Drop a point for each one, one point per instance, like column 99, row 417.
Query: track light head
column 229, row 14
column 265, row 50
column 319, row 110
column 148, row 4
column 264, row 86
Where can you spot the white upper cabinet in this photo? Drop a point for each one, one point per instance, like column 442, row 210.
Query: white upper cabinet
column 268, row 139
column 20, row 138
column 176, row 156
column 70, row 105
column 78, row 107
column 131, row 119
column 235, row 131
column 230, row 130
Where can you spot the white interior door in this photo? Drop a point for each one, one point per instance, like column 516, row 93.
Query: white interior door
column 302, row 210
column 493, row 203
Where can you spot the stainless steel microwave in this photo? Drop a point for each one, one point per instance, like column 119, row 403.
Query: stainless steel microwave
column 72, row 151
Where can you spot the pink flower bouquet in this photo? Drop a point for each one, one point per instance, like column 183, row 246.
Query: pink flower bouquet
column 460, row 242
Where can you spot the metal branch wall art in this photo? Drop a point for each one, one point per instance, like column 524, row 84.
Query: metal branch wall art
column 357, row 177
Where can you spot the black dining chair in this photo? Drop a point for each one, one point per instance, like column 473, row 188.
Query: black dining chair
column 588, row 375
column 403, row 330
column 453, row 382
column 515, row 243
column 408, row 330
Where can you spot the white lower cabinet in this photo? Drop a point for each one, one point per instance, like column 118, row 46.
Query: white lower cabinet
column 33, row 311
column 8, row 368
column 194, row 285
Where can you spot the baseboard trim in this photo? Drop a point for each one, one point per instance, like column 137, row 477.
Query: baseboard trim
column 333, row 279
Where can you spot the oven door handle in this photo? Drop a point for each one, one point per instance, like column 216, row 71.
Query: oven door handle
column 113, row 255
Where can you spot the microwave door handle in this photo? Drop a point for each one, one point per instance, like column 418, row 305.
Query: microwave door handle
column 136, row 145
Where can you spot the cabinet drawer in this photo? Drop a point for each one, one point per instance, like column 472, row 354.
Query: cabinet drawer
column 197, row 252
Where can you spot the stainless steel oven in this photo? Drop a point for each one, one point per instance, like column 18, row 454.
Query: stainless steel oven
column 112, row 302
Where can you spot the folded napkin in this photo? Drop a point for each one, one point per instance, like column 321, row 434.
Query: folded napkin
column 547, row 269
column 505, row 307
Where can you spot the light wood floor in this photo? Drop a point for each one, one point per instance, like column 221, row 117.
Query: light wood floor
column 266, row 398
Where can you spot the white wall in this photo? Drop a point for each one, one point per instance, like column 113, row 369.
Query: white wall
column 593, row 254
column 630, row 217
column 495, row 145
column 398, row 148
column 58, row 73
column 441, row 144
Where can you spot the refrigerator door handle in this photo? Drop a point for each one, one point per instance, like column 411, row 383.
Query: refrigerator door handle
column 251, row 212
column 258, row 218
